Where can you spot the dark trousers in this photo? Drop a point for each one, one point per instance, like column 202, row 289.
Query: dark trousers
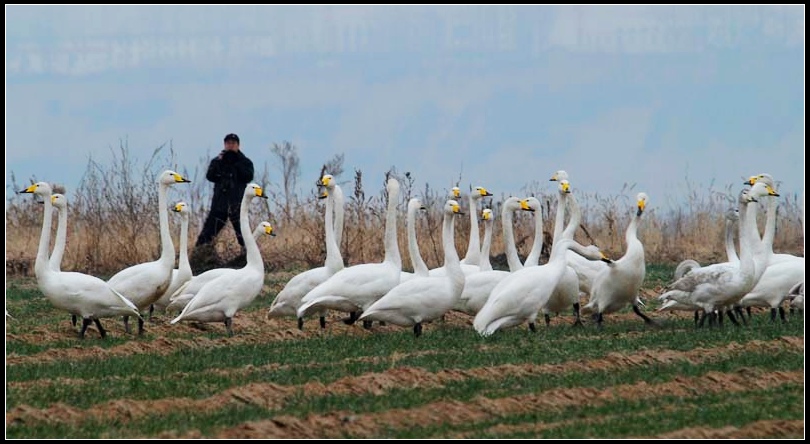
column 216, row 222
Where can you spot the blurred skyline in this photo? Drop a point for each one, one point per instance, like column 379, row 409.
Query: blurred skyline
column 502, row 95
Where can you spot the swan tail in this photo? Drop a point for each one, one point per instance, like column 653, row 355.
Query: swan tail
column 180, row 290
column 135, row 311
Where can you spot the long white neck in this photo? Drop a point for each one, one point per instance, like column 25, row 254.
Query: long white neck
column 61, row 238
column 764, row 249
column 451, row 262
column 559, row 218
column 339, row 211
column 574, row 218
column 748, row 228
column 533, row 258
column 390, row 241
column 512, row 257
column 253, row 255
column 167, row 247
column 334, row 262
column 419, row 267
column 484, row 264
column 183, row 263
column 731, row 251
column 474, row 247
column 41, row 265
column 558, row 250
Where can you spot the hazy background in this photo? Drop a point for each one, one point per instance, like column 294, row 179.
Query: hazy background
column 501, row 95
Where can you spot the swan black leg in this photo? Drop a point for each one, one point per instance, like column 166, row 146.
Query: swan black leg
column 748, row 310
column 732, row 318
column 702, row 319
column 321, row 320
column 773, row 315
column 151, row 310
column 301, row 323
column 367, row 324
column 697, row 317
column 351, row 319
column 74, row 319
column 782, row 314
column 126, row 323
column 578, row 322
column 739, row 311
column 417, row 329
column 598, row 317
column 140, row 326
column 229, row 326
column 720, row 318
column 101, row 330
column 547, row 318
column 647, row 320
column 85, row 323
column 533, row 327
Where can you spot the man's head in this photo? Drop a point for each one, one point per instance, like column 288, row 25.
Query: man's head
column 232, row 142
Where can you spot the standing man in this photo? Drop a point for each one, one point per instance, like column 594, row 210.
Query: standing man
column 230, row 171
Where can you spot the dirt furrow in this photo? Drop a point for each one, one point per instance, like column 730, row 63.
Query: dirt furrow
column 273, row 396
column 755, row 430
column 339, row 424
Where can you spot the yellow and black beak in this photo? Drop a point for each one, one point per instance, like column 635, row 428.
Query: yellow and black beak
column 260, row 193
column 641, row 205
column 269, row 230
column 566, row 187
column 524, row 205
column 772, row 192
column 751, row 180
column 553, row 178
column 484, row 192
column 324, row 182
column 178, row 208
column 456, row 193
column 457, row 209
column 30, row 189
column 324, row 195
column 180, row 179
column 606, row 259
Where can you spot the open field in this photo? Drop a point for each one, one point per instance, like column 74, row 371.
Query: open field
column 272, row 380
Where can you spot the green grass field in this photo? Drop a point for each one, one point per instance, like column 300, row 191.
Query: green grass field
column 271, row 380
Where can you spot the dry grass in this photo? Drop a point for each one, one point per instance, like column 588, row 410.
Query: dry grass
column 113, row 222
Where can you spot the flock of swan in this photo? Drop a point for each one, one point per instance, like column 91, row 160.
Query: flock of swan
column 383, row 292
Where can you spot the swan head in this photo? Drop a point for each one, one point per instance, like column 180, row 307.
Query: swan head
column 452, row 207
column 511, row 204
column 415, row 204
column 733, row 214
column 392, row 186
column 525, row 206
column 480, row 192
column 182, row 208
column 265, row 228
column 170, row 177
column 327, row 181
column 255, row 190
column 455, row 193
column 641, row 203
column 533, row 203
column 565, row 186
column 594, row 253
column 39, row 188
column 487, row 215
column 559, row 175
column 760, row 189
column 58, row 200
column 764, row 177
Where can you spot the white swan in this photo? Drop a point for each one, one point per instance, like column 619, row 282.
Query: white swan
column 478, row 286
column 182, row 273
column 487, row 217
column 620, row 283
column 721, row 285
column 220, row 299
column 145, row 283
column 469, row 264
column 289, row 298
column 355, row 288
column 79, row 294
column 783, row 270
column 419, row 267
column 796, row 296
column 424, row 298
column 520, row 296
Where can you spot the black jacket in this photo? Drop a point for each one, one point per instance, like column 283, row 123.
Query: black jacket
column 230, row 175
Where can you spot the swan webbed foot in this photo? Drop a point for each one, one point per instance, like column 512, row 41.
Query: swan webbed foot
column 321, row 321
column 229, row 326
column 417, row 329
column 101, row 331
column 533, row 327
column 301, row 323
column 85, row 323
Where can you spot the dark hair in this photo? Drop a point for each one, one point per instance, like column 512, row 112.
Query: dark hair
column 233, row 137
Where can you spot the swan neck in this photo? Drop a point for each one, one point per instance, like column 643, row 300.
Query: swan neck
column 731, row 251
column 537, row 245
column 770, row 226
column 333, row 260
column 167, row 247
column 254, row 256
column 512, row 257
column 747, row 235
column 419, row 267
column 339, row 218
column 574, row 217
column 61, row 239
column 474, row 246
column 451, row 261
column 41, row 264
column 559, row 218
column 484, row 263
column 390, row 241
column 183, row 263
